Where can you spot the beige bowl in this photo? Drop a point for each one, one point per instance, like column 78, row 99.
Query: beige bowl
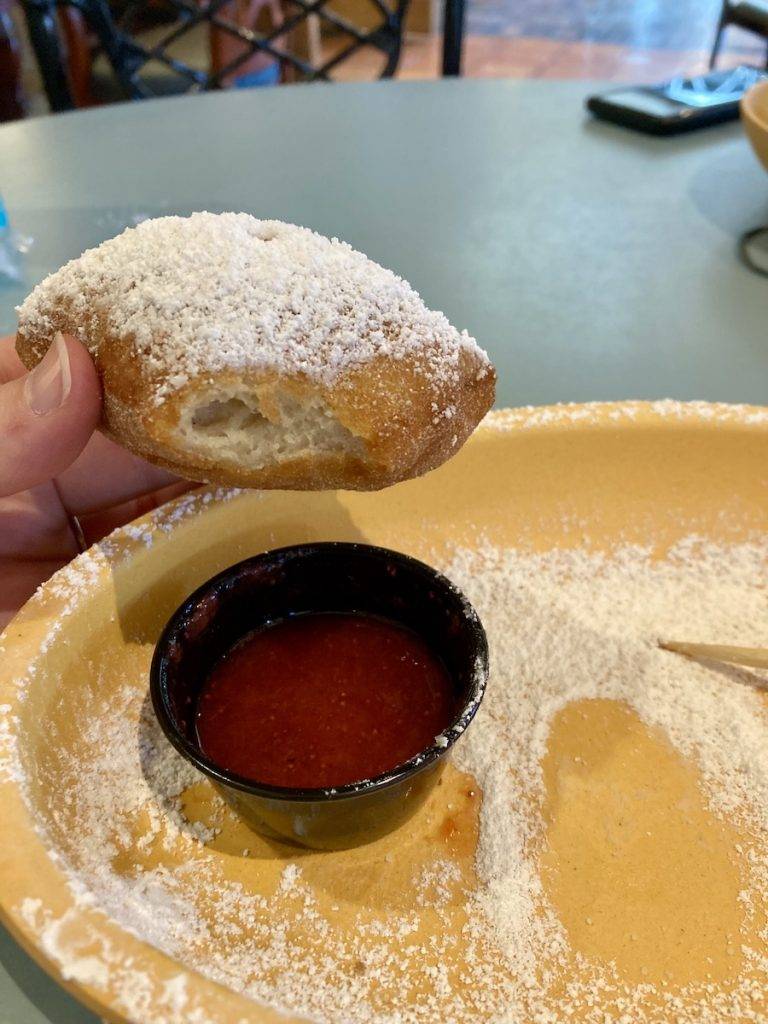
column 754, row 114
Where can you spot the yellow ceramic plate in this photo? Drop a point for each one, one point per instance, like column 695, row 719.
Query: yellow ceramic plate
column 538, row 479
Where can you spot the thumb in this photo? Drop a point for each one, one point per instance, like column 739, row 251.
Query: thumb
column 47, row 416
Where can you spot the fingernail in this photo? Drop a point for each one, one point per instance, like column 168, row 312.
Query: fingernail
column 47, row 386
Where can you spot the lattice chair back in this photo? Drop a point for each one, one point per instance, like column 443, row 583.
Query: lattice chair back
column 91, row 51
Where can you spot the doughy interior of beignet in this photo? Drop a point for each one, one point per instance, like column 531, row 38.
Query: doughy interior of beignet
column 229, row 424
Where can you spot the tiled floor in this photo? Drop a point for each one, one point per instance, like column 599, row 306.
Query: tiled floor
column 493, row 56
column 633, row 40
column 645, row 24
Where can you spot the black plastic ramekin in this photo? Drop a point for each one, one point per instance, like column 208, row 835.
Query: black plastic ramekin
column 325, row 577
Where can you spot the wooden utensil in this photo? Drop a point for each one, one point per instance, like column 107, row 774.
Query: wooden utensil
column 756, row 657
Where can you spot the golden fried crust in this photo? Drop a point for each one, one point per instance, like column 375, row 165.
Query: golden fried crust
column 406, row 421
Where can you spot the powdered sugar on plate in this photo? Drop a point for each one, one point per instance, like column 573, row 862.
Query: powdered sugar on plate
column 583, row 414
column 567, row 626
column 563, row 626
column 195, row 295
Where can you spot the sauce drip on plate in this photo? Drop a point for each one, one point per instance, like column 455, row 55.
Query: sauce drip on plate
column 322, row 700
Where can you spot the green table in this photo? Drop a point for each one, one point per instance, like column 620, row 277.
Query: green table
column 590, row 262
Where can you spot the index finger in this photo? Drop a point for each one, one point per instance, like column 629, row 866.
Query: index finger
column 11, row 366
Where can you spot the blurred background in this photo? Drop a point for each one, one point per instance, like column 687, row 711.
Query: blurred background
column 89, row 52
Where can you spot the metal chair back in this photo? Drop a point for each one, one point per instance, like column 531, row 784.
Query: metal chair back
column 114, row 34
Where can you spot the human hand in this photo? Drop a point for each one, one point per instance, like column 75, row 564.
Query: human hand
column 62, row 484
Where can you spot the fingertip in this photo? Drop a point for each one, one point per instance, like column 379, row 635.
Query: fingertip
column 84, row 391
column 48, row 416
column 80, row 411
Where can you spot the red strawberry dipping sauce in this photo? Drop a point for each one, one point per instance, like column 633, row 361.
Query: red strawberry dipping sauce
column 321, row 700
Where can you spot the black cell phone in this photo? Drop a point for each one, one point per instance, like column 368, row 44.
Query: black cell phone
column 679, row 105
